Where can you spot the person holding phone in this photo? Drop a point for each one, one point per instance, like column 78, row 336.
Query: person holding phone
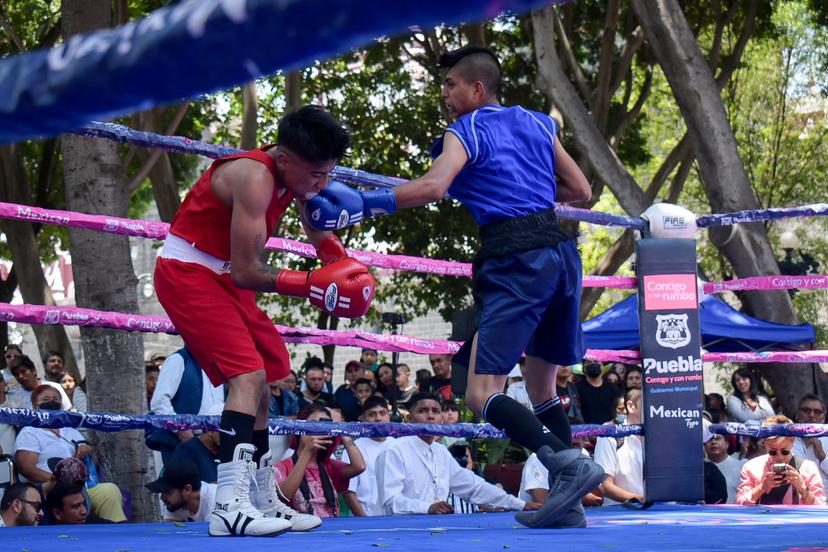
column 778, row 477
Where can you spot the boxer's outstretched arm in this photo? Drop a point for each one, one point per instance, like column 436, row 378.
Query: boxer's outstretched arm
column 432, row 186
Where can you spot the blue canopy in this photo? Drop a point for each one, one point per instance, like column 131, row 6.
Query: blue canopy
column 724, row 329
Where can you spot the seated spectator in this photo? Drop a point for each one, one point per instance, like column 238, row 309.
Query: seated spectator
column 416, row 475
column 203, row 450
column 183, row 388
column 24, row 371
column 75, row 393
column 517, row 386
column 613, row 378
column 315, row 392
column 363, row 389
column 633, row 378
column 327, row 369
column 731, row 466
column 624, row 465
column 283, row 403
column 316, row 362
column 53, row 366
column 185, row 496
column 371, row 377
column 21, row 506
column 290, row 383
column 8, row 433
column 345, row 395
column 361, row 496
column 812, row 411
column 152, row 372
column 745, row 403
column 597, row 396
column 778, row 477
column 36, row 447
column 385, row 375
column 715, row 405
column 310, row 479
column 12, row 351
column 402, row 393
column 421, row 379
column 440, row 384
column 66, row 504
column 566, row 391
column 620, row 410
column 369, row 360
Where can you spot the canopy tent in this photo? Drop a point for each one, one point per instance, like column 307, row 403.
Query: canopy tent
column 723, row 328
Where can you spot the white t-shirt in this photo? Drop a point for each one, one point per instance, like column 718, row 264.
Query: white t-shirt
column 365, row 484
column 7, row 435
column 534, row 476
column 205, row 506
column 47, row 444
column 625, row 465
column 731, row 467
column 807, row 453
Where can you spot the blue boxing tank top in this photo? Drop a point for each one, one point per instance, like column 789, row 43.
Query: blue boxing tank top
column 510, row 171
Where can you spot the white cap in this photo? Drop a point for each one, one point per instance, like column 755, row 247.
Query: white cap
column 515, row 373
column 706, row 433
column 670, row 221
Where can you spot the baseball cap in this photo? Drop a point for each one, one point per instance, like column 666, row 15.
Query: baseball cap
column 68, row 470
column 706, row 433
column 175, row 475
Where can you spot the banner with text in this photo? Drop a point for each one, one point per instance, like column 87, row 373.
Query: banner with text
column 672, row 365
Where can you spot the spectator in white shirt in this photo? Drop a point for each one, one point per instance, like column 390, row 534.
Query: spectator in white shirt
column 517, row 386
column 812, row 411
column 730, row 466
column 415, row 475
column 7, row 432
column 361, row 496
column 624, row 465
column 25, row 373
column 534, row 483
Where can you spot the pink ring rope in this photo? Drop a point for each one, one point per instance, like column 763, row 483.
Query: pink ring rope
column 74, row 316
column 159, row 230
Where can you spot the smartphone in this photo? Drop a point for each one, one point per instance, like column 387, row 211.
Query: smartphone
column 779, row 468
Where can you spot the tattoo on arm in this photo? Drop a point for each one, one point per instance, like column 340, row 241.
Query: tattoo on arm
column 265, row 268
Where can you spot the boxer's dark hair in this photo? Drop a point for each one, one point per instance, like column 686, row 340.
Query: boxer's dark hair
column 313, row 134
column 474, row 63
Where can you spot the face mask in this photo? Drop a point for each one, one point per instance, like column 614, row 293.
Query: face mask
column 593, row 370
column 51, row 405
column 620, row 418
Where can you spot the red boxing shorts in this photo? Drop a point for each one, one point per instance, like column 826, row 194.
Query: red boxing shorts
column 221, row 324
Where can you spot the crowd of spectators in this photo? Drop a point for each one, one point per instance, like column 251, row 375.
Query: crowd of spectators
column 60, row 482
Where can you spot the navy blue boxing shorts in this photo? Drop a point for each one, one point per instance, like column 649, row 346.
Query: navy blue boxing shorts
column 529, row 302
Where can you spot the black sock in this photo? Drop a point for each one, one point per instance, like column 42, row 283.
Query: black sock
column 551, row 413
column 261, row 441
column 236, row 428
column 519, row 423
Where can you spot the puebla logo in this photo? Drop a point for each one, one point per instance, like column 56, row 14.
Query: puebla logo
column 342, row 222
column 672, row 330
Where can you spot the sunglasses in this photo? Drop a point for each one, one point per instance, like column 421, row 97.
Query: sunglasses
column 783, row 452
column 11, row 356
column 324, row 420
column 36, row 504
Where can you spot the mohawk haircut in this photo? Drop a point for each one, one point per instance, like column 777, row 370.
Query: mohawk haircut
column 473, row 64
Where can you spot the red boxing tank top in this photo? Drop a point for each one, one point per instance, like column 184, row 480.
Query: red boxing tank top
column 204, row 220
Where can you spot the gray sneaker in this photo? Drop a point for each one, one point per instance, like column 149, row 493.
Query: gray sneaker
column 571, row 476
column 574, row 518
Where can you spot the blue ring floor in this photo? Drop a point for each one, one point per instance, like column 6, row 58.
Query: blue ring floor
column 664, row 527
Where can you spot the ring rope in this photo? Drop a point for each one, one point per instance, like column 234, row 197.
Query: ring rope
column 74, row 316
column 178, row 144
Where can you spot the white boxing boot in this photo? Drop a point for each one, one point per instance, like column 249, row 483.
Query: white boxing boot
column 233, row 514
column 266, row 499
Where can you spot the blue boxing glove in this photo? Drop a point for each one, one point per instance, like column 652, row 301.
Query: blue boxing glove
column 340, row 205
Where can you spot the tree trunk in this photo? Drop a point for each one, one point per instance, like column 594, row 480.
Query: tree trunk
column 587, row 136
column 746, row 246
column 22, row 242
column 7, row 288
column 293, row 91
column 250, row 107
column 105, row 279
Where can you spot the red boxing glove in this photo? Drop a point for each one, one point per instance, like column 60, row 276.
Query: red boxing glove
column 344, row 288
column 331, row 250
